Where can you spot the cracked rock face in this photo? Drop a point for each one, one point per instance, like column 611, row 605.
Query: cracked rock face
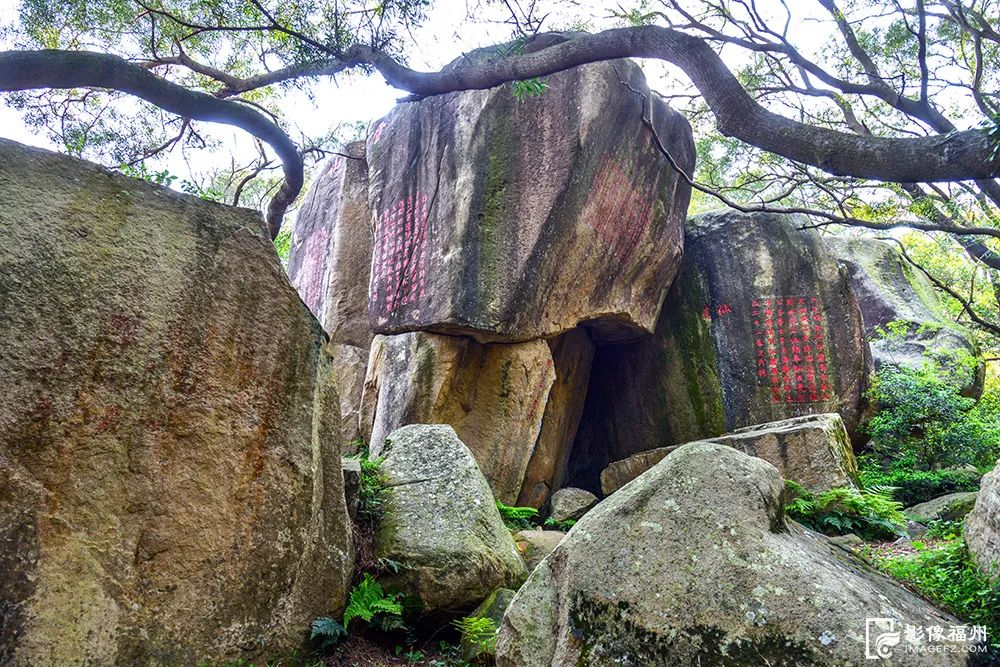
column 694, row 563
column 170, row 485
column 441, row 522
column 509, row 219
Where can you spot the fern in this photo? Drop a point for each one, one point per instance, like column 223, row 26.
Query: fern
column 870, row 513
column 329, row 630
column 479, row 633
column 517, row 518
column 368, row 600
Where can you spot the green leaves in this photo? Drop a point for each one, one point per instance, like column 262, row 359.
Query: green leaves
column 328, row 631
column 868, row 513
column 529, row 88
column 368, row 601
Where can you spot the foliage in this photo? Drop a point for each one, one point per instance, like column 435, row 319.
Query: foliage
column 283, row 245
column 911, row 487
column 529, row 88
column 374, row 606
column 946, row 575
column 372, row 489
column 518, row 518
column 564, row 526
column 328, row 631
column 869, row 513
column 923, row 420
column 479, row 633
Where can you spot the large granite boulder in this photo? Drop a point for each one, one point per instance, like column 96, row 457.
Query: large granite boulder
column 813, row 450
column 493, row 395
column 170, row 487
column 571, row 504
column 510, row 219
column 694, row 563
column 331, row 250
column 441, row 522
column 891, row 290
column 761, row 325
column 982, row 525
column 572, row 355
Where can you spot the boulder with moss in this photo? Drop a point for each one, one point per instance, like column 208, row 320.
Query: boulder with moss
column 441, row 522
column 950, row 507
column 904, row 319
column 510, row 218
column 982, row 525
column 761, row 325
column 170, row 486
column 694, row 563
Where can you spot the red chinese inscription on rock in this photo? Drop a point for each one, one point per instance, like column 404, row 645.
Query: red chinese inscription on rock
column 314, row 269
column 790, row 340
column 618, row 212
column 399, row 264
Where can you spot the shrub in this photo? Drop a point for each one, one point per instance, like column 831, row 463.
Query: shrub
column 910, row 486
column 869, row 513
column 947, row 576
column 923, row 419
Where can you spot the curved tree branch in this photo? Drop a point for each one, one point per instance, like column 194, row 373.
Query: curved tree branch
column 24, row 70
column 953, row 156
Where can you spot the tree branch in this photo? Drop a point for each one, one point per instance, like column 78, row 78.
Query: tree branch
column 24, row 70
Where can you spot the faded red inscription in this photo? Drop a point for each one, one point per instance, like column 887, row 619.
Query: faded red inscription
column 313, row 268
column 399, row 267
column 618, row 212
column 790, row 340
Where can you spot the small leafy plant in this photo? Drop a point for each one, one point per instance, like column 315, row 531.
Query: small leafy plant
column 374, row 606
column 479, row 633
column 529, row 88
column 869, row 513
column 518, row 518
column 327, row 631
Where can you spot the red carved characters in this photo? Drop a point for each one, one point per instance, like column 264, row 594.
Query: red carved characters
column 617, row 211
column 790, row 339
column 399, row 265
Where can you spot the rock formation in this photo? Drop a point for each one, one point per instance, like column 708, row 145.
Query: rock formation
column 890, row 290
column 510, row 219
column 949, row 507
column 170, row 486
column 761, row 325
column 571, row 504
column 441, row 522
column 982, row 525
column 694, row 563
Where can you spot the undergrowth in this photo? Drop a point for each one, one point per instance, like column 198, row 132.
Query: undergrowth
column 869, row 513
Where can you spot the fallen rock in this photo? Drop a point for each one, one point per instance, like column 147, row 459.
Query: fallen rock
column 441, row 522
column 569, row 503
column 890, row 290
column 814, row 451
column 535, row 545
column 694, row 563
column 761, row 325
column 572, row 355
column 493, row 395
column 982, row 525
column 331, row 253
column 170, row 487
column 509, row 219
column 950, row 507
column 620, row 473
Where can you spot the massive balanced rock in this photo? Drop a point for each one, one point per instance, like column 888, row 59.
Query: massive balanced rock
column 510, row 219
column 694, row 563
column 170, row 487
column 761, row 325
column 890, row 290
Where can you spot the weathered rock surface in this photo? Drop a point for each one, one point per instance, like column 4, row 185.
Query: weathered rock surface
column 761, row 325
column 571, row 503
column 572, row 355
column 814, row 451
column 535, row 545
column 442, row 523
column 694, row 563
column 889, row 289
column 620, row 473
column 331, row 254
column 982, row 525
column 170, row 487
column 493, row 395
column 950, row 507
column 510, row 220
column 349, row 366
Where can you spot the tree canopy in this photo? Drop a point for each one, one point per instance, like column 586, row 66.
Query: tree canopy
column 864, row 114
